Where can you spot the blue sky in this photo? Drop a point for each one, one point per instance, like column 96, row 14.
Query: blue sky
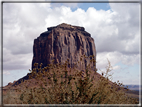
column 97, row 6
column 115, row 30
column 85, row 6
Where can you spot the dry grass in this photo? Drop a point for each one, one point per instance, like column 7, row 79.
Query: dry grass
column 57, row 84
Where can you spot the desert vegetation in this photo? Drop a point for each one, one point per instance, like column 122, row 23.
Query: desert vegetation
column 60, row 84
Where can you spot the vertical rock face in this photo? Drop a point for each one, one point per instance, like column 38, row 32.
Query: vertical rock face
column 63, row 42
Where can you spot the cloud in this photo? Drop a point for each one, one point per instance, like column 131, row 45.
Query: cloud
column 116, row 57
column 99, row 23
column 116, row 31
column 71, row 5
column 6, row 73
column 116, row 67
column 111, row 27
column 19, row 61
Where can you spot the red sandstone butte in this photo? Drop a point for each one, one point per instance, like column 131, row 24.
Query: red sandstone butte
column 63, row 42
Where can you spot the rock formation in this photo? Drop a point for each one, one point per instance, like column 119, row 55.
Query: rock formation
column 60, row 43
column 63, row 42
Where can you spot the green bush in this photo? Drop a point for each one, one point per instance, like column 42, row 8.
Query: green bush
column 58, row 84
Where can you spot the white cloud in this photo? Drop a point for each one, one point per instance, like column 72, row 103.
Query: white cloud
column 116, row 57
column 130, row 59
column 19, row 61
column 71, row 5
column 6, row 73
column 116, row 67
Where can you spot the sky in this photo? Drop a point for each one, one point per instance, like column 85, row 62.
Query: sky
column 115, row 28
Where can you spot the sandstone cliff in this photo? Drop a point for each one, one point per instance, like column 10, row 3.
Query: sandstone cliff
column 63, row 42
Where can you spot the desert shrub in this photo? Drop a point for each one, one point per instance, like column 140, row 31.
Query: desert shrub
column 59, row 84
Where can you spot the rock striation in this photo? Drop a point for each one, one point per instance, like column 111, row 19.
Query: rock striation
column 63, row 42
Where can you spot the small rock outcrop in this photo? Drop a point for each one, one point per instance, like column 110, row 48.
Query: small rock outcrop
column 63, row 42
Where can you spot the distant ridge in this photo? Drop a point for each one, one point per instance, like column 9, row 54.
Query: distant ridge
column 133, row 87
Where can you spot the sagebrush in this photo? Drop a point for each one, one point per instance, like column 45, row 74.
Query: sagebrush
column 60, row 84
